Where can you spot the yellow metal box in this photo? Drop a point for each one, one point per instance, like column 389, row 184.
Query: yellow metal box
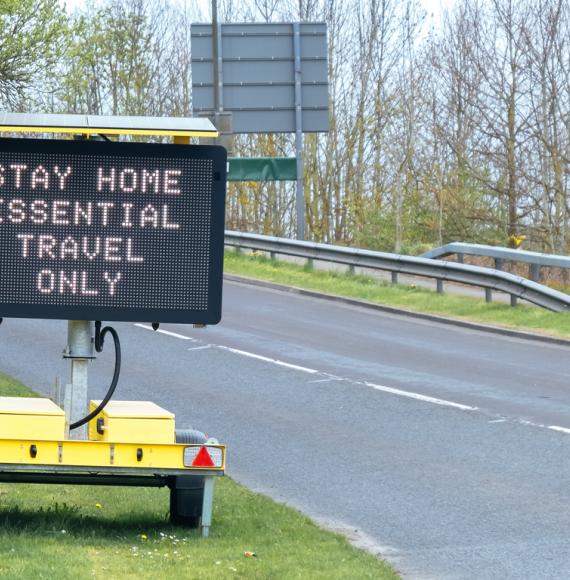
column 31, row 419
column 132, row 422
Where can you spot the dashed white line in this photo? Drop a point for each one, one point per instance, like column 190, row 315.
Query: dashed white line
column 560, row 429
column 383, row 388
column 328, row 377
column 419, row 397
column 167, row 332
column 557, row 428
column 270, row 360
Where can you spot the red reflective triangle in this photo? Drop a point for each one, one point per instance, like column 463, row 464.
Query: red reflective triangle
column 203, row 459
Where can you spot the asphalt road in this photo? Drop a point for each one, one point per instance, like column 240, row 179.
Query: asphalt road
column 441, row 448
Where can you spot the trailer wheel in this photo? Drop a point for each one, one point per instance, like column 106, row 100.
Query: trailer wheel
column 187, row 491
column 190, row 436
column 186, row 498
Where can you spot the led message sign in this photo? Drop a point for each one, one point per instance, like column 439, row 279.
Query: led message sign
column 111, row 231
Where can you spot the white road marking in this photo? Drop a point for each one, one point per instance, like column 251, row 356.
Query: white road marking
column 419, row 397
column 270, row 360
column 560, row 429
column 167, row 332
column 328, row 377
column 528, row 423
column 390, row 390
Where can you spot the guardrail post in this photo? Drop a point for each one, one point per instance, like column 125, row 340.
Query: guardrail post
column 351, row 269
column 499, row 266
column 394, row 277
column 439, row 285
column 460, row 258
column 488, row 291
column 534, row 272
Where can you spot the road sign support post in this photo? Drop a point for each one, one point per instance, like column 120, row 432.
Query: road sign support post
column 300, row 189
column 80, row 351
column 216, row 57
column 219, row 75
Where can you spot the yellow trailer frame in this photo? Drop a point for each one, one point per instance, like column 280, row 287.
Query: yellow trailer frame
column 155, row 458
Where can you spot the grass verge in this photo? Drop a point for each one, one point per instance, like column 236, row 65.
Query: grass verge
column 408, row 297
column 68, row 532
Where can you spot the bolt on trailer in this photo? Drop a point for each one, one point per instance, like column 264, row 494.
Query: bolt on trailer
column 93, row 229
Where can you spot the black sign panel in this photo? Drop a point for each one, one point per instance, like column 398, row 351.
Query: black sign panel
column 111, row 231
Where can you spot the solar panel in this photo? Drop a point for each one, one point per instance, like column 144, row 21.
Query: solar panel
column 110, row 125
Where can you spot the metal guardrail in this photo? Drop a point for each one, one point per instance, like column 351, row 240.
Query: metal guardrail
column 416, row 266
column 500, row 255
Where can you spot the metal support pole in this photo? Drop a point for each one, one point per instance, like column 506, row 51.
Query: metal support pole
column 215, row 56
column 394, row 277
column 219, row 79
column 80, row 351
column 300, row 187
column 439, row 285
column 207, row 504
column 222, row 120
column 488, row 295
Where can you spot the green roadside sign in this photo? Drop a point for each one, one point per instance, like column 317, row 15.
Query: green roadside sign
column 262, row 169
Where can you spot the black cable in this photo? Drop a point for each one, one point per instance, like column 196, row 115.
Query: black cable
column 99, row 342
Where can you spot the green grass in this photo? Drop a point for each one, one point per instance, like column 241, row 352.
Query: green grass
column 10, row 387
column 69, row 532
column 409, row 297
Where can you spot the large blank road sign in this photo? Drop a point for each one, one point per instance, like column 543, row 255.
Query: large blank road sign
column 258, row 75
column 111, row 231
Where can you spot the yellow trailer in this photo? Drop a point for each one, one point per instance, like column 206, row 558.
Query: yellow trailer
column 56, row 187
